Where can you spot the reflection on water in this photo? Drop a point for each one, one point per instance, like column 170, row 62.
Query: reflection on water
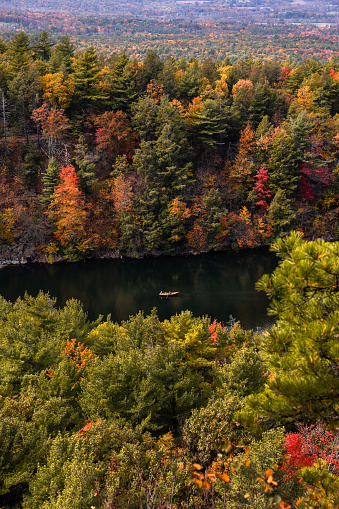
column 216, row 284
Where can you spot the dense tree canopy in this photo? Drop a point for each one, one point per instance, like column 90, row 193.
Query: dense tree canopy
column 113, row 157
column 211, row 155
column 175, row 411
column 302, row 348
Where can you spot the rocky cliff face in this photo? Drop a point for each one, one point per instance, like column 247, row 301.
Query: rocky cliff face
column 19, row 254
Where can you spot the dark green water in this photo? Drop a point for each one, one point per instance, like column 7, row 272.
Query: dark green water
column 217, row 285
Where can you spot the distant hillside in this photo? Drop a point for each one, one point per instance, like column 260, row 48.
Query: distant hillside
column 178, row 38
column 254, row 11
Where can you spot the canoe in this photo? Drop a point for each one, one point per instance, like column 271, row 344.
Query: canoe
column 168, row 294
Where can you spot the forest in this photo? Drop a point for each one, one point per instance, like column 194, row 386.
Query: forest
column 181, row 413
column 249, row 11
column 235, row 37
column 106, row 157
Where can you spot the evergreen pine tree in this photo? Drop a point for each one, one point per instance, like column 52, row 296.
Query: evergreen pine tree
column 281, row 213
column 85, row 164
column 166, row 171
column 123, row 87
column 208, row 125
column 302, row 348
column 50, row 180
column 264, row 128
column 283, row 164
column 31, row 165
column 62, row 56
column 85, row 78
column 20, row 51
column 42, row 47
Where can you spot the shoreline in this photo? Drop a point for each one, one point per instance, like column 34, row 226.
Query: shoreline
column 26, row 254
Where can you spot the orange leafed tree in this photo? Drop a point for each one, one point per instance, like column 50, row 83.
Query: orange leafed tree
column 177, row 104
column 122, row 194
column 179, row 209
column 77, row 353
column 243, row 167
column 335, row 75
column 53, row 123
column 178, row 212
column 154, row 90
column 114, row 134
column 193, row 109
column 102, row 227
column 197, row 235
column 68, row 210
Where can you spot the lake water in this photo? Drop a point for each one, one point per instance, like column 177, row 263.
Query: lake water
column 214, row 284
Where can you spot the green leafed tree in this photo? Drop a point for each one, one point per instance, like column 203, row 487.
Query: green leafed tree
column 43, row 46
column 150, row 69
column 283, row 164
column 26, row 344
column 302, row 348
column 189, row 83
column 208, row 126
column 32, row 331
column 62, row 56
column 67, row 479
column 50, row 180
column 23, row 92
column 281, row 213
column 86, row 80
column 85, row 164
column 123, row 85
column 19, row 50
column 152, row 388
column 165, row 174
column 30, row 167
column 149, row 116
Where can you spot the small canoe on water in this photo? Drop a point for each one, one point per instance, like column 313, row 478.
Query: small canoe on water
column 168, row 294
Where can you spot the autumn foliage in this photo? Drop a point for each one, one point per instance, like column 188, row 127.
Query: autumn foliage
column 114, row 133
column 52, row 122
column 306, row 447
column 67, row 209
column 168, row 156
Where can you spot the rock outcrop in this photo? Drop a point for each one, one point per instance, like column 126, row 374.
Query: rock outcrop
column 19, row 254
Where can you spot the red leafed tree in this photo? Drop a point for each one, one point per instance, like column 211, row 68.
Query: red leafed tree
column 196, row 237
column 311, row 443
column 315, row 166
column 335, row 75
column 243, row 91
column 216, row 330
column 114, row 134
column 306, row 190
column 68, row 211
column 102, row 228
column 263, row 192
column 284, row 75
column 321, row 174
column 53, row 123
